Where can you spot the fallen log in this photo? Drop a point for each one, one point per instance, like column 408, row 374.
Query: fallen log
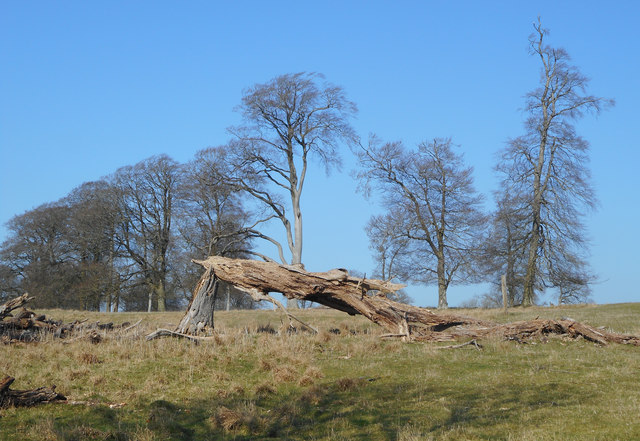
column 335, row 289
column 27, row 326
column 26, row 398
column 160, row 333
column 353, row 295
column 7, row 307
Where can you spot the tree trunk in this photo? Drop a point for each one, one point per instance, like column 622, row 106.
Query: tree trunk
column 442, row 284
column 337, row 290
column 199, row 316
column 503, row 286
column 161, row 294
column 529, row 279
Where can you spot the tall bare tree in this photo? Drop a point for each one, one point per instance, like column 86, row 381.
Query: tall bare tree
column 437, row 218
column 146, row 198
column 92, row 233
column 287, row 121
column 548, row 164
column 212, row 220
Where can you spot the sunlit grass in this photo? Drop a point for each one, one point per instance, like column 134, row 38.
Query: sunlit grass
column 353, row 385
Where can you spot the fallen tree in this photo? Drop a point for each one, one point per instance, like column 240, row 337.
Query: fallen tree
column 338, row 290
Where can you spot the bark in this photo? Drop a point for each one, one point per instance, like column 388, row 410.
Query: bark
column 199, row 316
column 26, row 398
column 337, row 290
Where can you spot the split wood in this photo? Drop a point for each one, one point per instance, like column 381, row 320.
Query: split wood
column 368, row 297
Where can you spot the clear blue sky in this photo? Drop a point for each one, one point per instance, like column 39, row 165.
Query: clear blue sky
column 87, row 87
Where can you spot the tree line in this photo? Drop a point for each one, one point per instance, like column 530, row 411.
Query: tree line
column 125, row 242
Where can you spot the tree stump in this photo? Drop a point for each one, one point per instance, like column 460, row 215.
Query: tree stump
column 199, row 316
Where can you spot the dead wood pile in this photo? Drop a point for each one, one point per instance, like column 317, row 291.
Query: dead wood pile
column 20, row 324
column 26, row 398
column 368, row 297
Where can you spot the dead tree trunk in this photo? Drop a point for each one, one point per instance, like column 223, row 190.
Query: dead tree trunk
column 199, row 316
column 26, row 398
column 6, row 308
column 338, row 290
column 335, row 289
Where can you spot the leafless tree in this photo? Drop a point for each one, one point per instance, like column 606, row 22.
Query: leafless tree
column 212, row 217
column 505, row 246
column 92, row 234
column 389, row 244
column 211, row 221
column 146, row 195
column 435, row 220
column 38, row 257
column 548, row 164
column 287, row 121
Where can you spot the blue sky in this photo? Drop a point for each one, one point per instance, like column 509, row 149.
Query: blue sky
column 87, row 87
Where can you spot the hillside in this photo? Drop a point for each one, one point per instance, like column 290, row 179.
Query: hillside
column 345, row 383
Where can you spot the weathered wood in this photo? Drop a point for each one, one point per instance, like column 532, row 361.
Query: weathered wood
column 7, row 307
column 161, row 333
column 26, row 398
column 336, row 289
column 27, row 326
column 199, row 316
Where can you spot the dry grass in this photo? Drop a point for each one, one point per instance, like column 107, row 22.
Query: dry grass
column 352, row 385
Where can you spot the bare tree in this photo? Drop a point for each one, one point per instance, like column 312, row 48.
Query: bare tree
column 435, row 222
column 212, row 220
column 37, row 255
column 146, row 197
column 505, row 246
column 92, row 234
column 549, row 164
column 287, row 121
column 390, row 251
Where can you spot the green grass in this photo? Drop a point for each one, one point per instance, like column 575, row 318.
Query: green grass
column 352, row 386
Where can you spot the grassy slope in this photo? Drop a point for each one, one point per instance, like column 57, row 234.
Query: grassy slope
column 249, row 385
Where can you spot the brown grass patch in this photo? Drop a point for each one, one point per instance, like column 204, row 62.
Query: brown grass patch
column 345, row 384
column 265, row 365
column 324, row 336
column 265, row 389
column 314, row 372
column 88, row 358
column 227, row 419
column 284, row 374
column 246, row 417
column 313, row 395
column 305, row 380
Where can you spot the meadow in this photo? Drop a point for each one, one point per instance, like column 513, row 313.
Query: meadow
column 256, row 381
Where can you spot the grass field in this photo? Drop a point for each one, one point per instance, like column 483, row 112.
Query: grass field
column 352, row 386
